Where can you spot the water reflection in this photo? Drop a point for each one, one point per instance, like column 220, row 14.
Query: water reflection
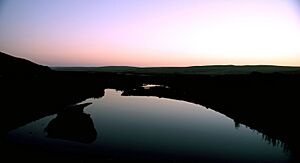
column 275, row 142
column 270, row 140
column 159, row 127
column 73, row 124
column 176, row 127
column 149, row 86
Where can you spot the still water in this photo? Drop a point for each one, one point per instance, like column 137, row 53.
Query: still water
column 166, row 127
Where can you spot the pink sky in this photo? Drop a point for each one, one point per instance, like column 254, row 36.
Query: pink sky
column 152, row 32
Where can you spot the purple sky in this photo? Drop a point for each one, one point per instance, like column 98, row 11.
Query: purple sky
column 151, row 32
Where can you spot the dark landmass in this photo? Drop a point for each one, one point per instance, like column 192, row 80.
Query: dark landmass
column 193, row 70
column 261, row 97
column 73, row 124
column 10, row 65
column 36, row 91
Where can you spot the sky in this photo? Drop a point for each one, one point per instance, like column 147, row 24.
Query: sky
column 152, row 32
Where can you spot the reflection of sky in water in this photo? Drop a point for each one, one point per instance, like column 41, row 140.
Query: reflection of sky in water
column 149, row 86
column 168, row 126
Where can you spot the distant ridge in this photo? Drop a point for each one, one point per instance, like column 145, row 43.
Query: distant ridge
column 201, row 70
column 10, row 65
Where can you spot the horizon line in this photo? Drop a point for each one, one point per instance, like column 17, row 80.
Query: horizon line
column 212, row 65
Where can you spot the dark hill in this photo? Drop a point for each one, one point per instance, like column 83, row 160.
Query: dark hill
column 10, row 65
column 194, row 70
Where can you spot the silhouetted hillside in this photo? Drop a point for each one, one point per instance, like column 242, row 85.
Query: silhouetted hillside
column 34, row 91
column 193, row 70
column 10, row 65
